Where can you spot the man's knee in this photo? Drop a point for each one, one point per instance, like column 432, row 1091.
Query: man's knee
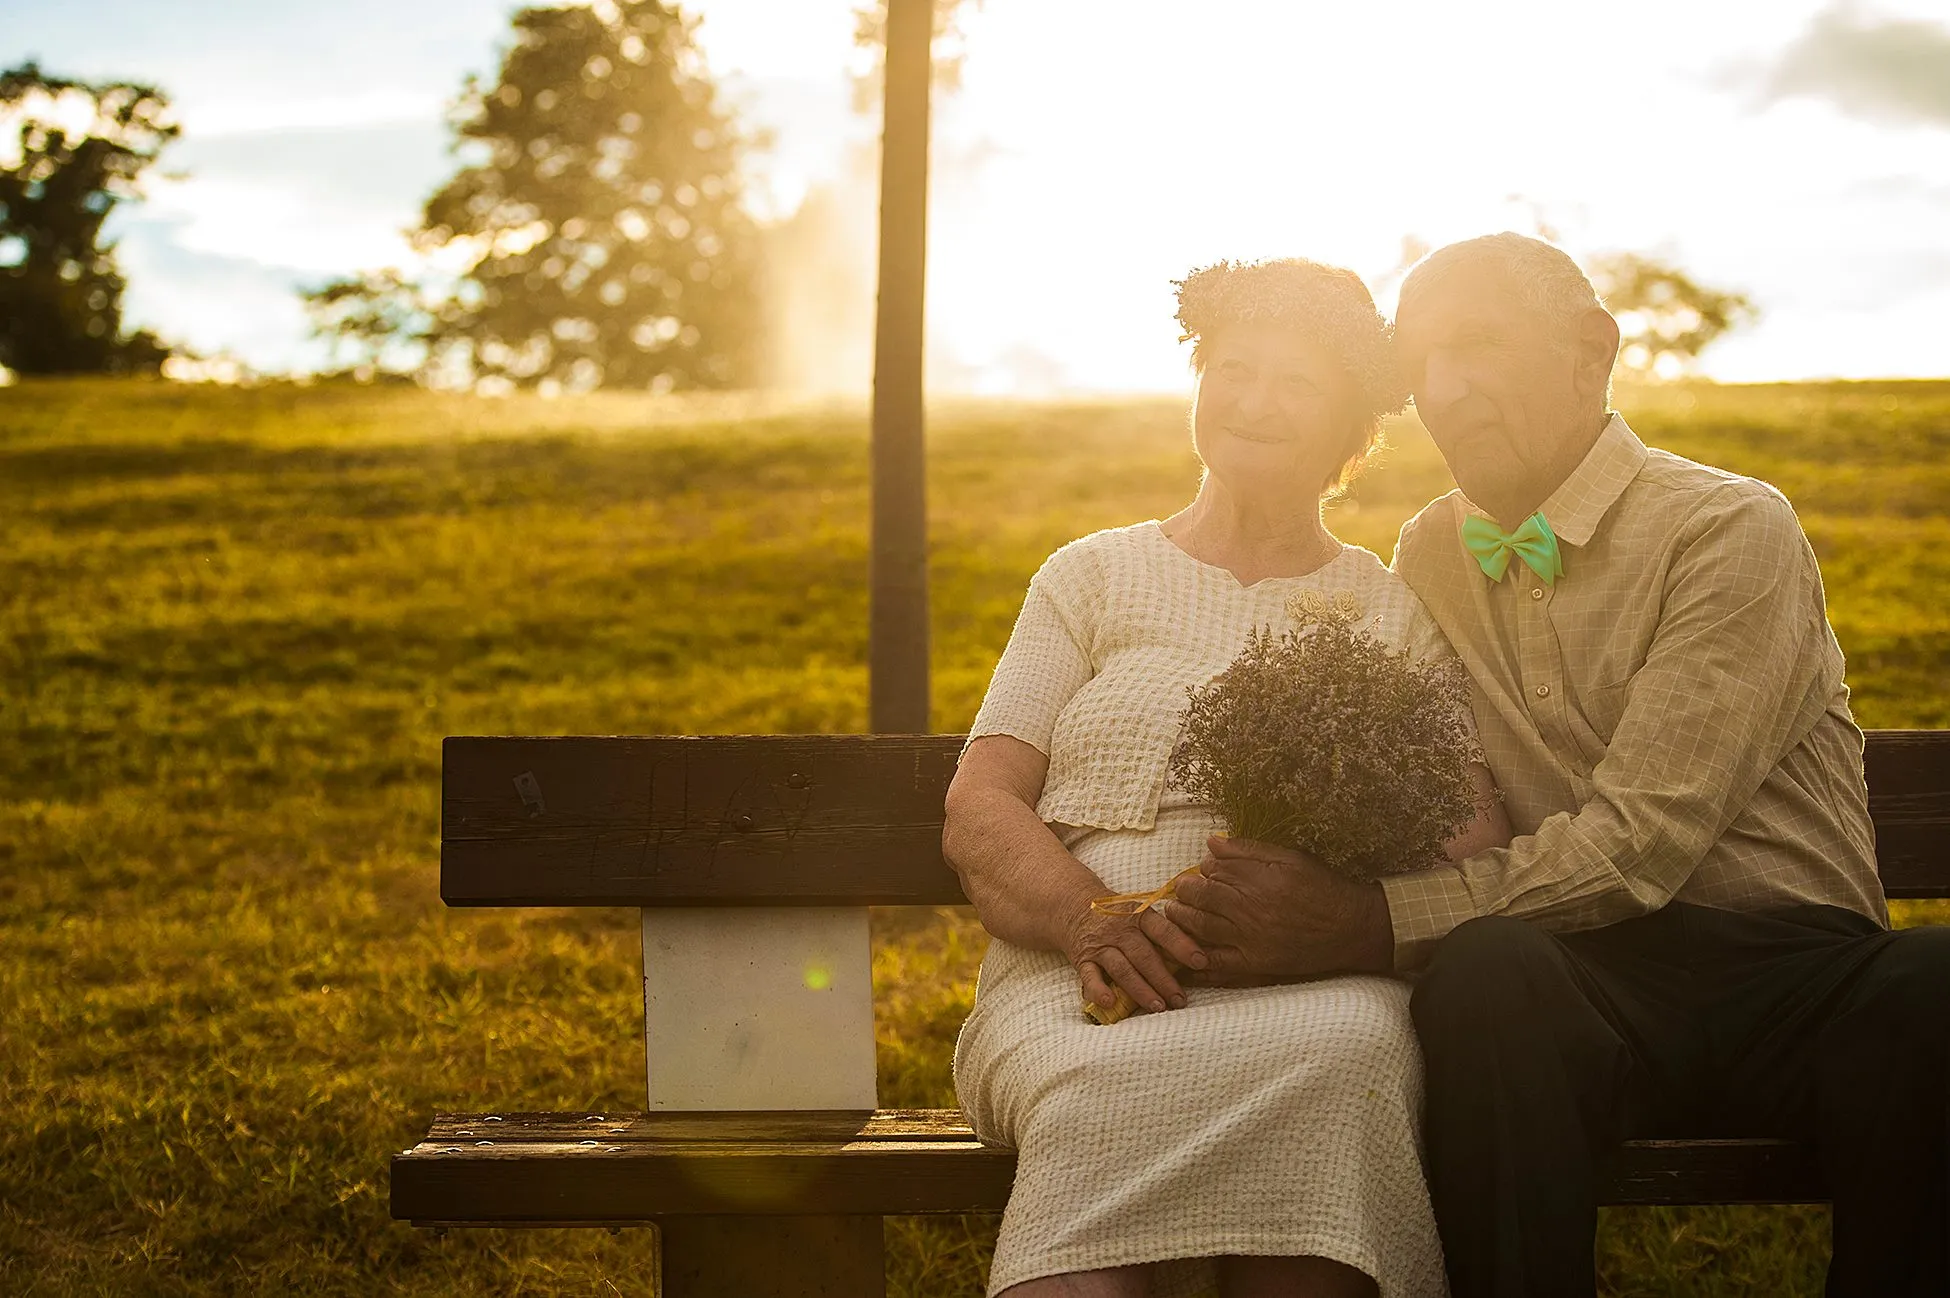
column 1905, row 994
column 1918, row 966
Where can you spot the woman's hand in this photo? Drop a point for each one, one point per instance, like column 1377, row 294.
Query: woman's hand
column 1132, row 953
column 1029, row 890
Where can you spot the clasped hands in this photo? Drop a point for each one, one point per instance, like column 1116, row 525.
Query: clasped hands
column 1252, row 914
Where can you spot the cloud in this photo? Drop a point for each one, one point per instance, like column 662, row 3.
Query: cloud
column 317, row 203
column 216, row 257
column 1894, row 70
column 245, row 115
column 213, row 303
column 391, row 166
column 273, row 226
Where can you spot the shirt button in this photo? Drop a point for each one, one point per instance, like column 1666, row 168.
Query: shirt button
column 1536, row 592
column 1543, row 691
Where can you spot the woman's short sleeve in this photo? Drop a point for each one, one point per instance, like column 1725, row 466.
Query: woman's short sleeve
column 1048, row 658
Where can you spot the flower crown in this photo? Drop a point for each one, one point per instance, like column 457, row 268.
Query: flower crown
column 1326, row 303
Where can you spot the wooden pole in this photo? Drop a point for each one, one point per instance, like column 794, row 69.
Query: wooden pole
column 898, row 619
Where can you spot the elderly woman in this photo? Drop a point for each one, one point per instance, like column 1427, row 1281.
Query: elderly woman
column 1261, row 1138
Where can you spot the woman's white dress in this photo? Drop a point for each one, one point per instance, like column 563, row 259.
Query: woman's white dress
column 1255, row 1121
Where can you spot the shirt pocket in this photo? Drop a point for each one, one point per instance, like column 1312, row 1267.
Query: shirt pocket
column 1600, row 708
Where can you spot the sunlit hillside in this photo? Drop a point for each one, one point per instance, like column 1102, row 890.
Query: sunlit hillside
column 235, row 625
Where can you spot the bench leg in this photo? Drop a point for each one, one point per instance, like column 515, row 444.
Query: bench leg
column 771, row 1257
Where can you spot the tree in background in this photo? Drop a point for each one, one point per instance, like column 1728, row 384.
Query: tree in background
column 69, row 152
column 1666, row 318
column 596, row 236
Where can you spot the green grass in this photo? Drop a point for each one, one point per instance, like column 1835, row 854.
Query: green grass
column 235, row 625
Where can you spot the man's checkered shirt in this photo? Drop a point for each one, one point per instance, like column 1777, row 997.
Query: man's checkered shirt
column 1667, row 721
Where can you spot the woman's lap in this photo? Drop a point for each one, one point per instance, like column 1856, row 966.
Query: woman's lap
column 1030, row 1044
column 1275, row 1120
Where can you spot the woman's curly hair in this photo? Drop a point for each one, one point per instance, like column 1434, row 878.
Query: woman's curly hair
column 1329, row 304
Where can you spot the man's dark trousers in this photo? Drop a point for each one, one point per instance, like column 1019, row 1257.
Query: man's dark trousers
column 1545, row 1050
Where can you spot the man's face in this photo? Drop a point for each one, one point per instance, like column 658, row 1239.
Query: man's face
column 1496, row 390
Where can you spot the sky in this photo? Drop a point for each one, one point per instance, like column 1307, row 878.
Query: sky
column 1797, row 150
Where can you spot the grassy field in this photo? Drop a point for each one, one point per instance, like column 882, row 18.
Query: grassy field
column 235, row 625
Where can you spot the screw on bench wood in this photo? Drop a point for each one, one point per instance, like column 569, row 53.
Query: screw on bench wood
column 796, row 781
column 743, row 822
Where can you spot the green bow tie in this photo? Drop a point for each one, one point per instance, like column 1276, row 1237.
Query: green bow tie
column 1533, row 542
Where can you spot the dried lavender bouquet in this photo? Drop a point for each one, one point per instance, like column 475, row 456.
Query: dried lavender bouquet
column 1327, row 739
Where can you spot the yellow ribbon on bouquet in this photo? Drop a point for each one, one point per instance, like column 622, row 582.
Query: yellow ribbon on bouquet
column 1136, row 903
column 1128, row 903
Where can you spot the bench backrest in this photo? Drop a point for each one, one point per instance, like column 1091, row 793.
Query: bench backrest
column 853, row 820
column 753, row 860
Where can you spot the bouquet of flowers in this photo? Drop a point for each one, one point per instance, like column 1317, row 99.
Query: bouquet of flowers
column 1326, row 739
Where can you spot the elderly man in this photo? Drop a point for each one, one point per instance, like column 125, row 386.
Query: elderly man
column 1687, row 935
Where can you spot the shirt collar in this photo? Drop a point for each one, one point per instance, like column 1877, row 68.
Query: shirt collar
column 1582, row 500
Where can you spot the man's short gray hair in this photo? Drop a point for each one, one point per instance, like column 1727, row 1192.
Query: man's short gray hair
column 1542, row 275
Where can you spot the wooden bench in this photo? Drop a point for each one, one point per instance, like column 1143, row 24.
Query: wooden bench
column 762, row 1157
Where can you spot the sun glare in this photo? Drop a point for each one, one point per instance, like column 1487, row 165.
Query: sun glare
column 1093, row 153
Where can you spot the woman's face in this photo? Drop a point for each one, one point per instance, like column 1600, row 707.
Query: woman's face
column 1271, row 411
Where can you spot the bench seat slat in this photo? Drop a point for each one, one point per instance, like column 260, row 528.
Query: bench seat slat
column 1712, row 1171
column 640, row 1167
column 837, row 820
column 529, row 1175
column 799, row 1126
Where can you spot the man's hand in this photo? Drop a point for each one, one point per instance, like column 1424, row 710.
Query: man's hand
column 1265, row 913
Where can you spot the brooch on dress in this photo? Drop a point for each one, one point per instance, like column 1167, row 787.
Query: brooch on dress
column 1315, row 607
